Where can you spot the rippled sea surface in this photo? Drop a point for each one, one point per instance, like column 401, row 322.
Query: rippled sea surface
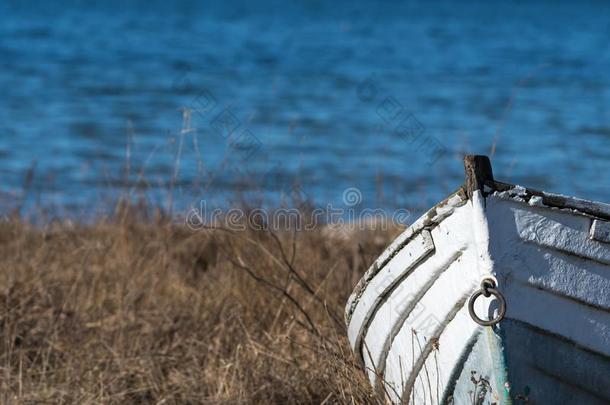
column 271, row 99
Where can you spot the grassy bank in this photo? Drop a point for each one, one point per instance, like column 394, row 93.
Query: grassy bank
column 126, row 311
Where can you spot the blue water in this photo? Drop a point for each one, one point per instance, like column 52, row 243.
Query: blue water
column 308, row 98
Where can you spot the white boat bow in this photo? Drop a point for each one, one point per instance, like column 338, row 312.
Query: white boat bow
column 546, row 256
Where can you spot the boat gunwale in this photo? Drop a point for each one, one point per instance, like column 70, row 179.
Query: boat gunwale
column 427, row 221
column 430, row 219
column 550, row 200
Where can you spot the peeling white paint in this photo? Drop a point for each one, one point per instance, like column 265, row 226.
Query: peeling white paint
column 600, row 231
column 536, row 201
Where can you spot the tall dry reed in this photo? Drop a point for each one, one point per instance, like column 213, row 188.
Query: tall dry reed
column 132, row 311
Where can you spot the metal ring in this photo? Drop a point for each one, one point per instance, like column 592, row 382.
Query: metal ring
column 488, row 288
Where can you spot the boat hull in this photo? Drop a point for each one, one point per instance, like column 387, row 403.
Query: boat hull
column 408, row 319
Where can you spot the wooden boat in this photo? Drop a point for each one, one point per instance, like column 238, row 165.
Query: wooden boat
column 498, row 295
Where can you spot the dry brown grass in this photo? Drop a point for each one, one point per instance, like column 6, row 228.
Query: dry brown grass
column 149, row 312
